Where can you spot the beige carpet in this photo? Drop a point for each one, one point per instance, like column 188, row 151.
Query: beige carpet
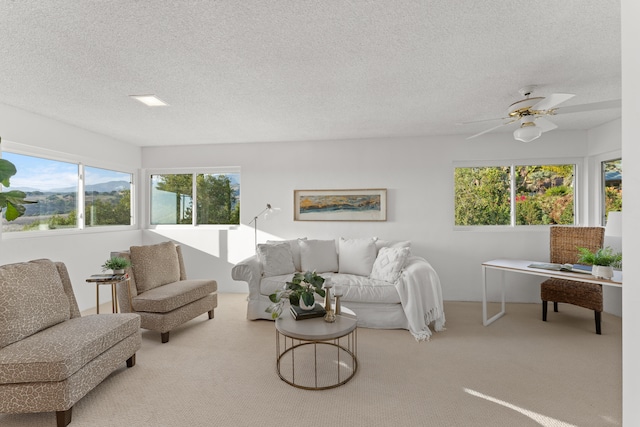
column 518, row 371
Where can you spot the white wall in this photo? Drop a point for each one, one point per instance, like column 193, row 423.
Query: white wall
column 83, row 253
column 604, row 144
column 417, row 172
column 418, row 175
column 631, row 212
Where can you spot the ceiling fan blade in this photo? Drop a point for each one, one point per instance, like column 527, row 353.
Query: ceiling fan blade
column 482, row 121
column 552, row 100
column 544, row 124
column 602, row 105
column 493, row 128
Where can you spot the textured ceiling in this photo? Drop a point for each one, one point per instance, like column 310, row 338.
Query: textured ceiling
column 290, row 70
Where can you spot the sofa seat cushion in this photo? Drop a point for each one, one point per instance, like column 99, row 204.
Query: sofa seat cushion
column 32, row 298
column 270, row 285
column 355, row 288
column 56, row 353
column 166, row 298
column 363, row 289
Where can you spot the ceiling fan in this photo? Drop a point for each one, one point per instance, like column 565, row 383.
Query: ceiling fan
column 529, row 113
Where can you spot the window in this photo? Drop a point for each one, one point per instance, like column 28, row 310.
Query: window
column 612, row 187
column 217, row 197
column 107, row 197
column 54, row 187
column 482, row 196
column 514, row 195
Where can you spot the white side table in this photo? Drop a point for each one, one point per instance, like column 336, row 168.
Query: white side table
column 113, row 280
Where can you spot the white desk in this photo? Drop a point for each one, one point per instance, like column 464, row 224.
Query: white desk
column 521, row 266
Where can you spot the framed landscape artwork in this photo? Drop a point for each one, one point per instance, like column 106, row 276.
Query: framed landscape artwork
column 340, row 205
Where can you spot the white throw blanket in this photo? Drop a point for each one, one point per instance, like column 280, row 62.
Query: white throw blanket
column 421, row 298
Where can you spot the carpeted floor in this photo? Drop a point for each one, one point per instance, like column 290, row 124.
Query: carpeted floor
column 519, row 371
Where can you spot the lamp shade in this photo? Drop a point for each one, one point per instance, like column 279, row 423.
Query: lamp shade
column 614, row 224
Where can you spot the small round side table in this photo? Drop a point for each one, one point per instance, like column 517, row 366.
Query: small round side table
column 315, row 355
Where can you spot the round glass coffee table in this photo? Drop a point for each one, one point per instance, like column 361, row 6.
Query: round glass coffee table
column 315, row 355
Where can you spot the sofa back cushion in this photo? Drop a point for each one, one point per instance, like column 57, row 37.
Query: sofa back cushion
column 276, row 259
column 392, row 244
column 318, row 255
column 356, row 256
column 32, row 298
column 154, row 265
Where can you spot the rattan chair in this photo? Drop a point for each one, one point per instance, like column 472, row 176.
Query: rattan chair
column 564, row 244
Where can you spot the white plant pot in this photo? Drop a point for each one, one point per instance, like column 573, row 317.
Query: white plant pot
column 602, row 272
column 121, row 271
column 306, row 307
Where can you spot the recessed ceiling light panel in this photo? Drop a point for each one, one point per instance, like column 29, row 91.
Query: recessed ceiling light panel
column 150, row 100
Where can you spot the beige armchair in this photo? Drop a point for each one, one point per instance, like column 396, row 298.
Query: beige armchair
column 159, row 290
column 50, row 356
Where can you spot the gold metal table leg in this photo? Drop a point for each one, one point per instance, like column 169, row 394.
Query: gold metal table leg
column 97, row 298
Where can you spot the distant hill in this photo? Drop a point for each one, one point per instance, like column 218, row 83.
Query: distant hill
column 105, row 187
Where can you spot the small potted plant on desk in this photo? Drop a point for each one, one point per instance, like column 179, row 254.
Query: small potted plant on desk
column 603, row 261
column 117, row 264
column 299, row 291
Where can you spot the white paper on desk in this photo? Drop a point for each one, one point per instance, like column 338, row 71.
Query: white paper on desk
column 572, row 268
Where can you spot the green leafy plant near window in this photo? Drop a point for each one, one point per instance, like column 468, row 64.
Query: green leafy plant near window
column 302, row 286
column 116, row 263
column 13, row 201
column 603, row 257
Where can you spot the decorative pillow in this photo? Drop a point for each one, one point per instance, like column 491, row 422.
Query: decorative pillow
column 154, row 265
column 318, row 255
column 276, row 259
column 389, row 244
column 32, row 298
column 389, row 264
column 295, row 250
column 356, row 256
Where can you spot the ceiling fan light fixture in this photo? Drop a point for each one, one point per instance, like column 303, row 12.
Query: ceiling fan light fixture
column 527, row 132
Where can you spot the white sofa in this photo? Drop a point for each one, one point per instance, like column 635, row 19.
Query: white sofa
column 382, row 282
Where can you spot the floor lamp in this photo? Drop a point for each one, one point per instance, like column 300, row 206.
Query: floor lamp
column 266, row 211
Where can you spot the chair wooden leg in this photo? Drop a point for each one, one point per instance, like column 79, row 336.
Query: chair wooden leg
column 544, row 311
column 131, row 362
column 210, row 314
column 165, row 337
column 63, row 418
column 555, row 306
column 598, row 315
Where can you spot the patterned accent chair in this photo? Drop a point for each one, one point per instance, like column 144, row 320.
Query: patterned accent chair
column 564, row 243
column 159, row 290
column 50, row 356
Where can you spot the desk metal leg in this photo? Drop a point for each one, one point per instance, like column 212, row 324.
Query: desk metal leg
column 486, row 321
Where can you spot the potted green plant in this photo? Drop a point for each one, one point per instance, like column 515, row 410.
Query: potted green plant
column 117, row 264
column 602, row 261
column 299, row 291
column 13, row 201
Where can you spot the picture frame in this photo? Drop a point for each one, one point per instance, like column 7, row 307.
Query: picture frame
column 340, row 205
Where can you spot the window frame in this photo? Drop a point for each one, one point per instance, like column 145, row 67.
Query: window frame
column 81, row 162
column 596, row 185
column 193, row 171
column 602, row 195
column 512, row 164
